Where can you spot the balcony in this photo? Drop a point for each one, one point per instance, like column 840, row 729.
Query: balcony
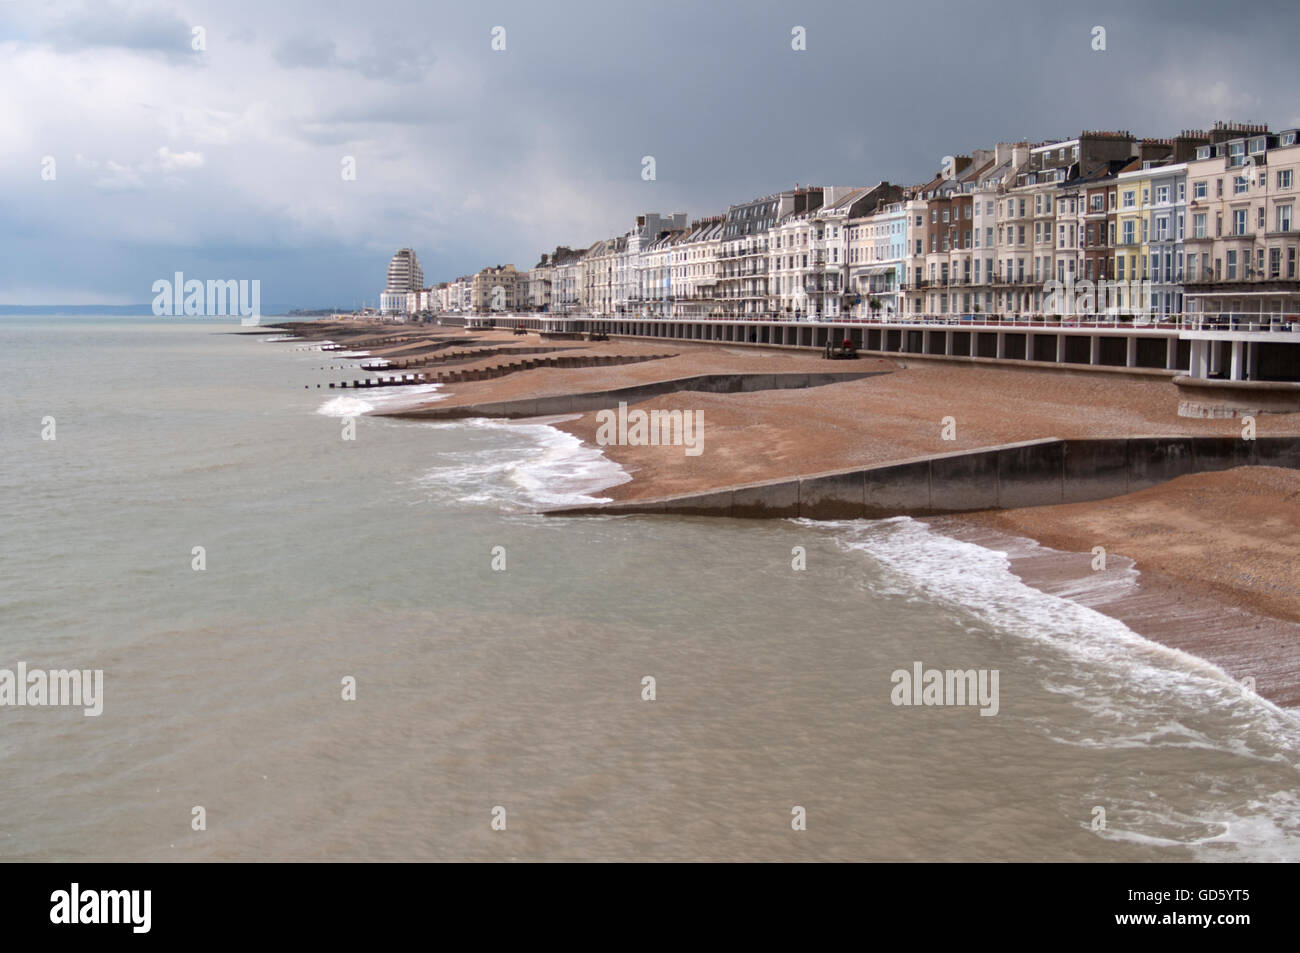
column 1253, row 281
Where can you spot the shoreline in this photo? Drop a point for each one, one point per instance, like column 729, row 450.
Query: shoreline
column 1172, row 612
column 1214, row 551
column 1231, row 634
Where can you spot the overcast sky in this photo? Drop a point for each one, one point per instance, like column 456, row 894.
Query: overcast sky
column 227, row 162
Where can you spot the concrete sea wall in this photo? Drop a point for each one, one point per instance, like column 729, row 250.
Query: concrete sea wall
column 1201, row 397
column 1033, row 473
column 599, row 400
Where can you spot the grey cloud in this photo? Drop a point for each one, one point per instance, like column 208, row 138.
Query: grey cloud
column 302, row 52
column 396, row 62
column 552, row 130
column 108, row 25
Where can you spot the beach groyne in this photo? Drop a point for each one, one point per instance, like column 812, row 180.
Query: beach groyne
column 601, row 399
column 493, row 371
column 1031, row 473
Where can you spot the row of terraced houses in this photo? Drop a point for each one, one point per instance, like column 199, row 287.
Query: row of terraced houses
column 1105, row 222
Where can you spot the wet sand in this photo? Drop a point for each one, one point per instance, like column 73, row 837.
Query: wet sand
column 1216, row 555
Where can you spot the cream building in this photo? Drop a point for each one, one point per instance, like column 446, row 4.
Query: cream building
column 1242, row 235
column 501, row 288
column 693, row 261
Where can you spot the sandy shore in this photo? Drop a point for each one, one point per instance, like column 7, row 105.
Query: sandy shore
column 1216, row 555
column 770, row 435
column 1216, row 552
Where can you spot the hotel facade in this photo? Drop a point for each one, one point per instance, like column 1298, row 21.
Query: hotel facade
column 1199, row 224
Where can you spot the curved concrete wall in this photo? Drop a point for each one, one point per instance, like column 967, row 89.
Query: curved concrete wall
column 1033, row 473
column 598, row 400
column 1201, row 397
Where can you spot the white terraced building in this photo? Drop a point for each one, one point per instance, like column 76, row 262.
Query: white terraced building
column 629, row 295
column 694, row 269
column 404, row 276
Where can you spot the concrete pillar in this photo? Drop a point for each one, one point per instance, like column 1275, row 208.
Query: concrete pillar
column 1060, row 348
column 1235, row 371
column 1002, row 344
column 1094, row 348
column 947, row 343
column 1130, row 358
column 1171, row 353
column 1200, row 359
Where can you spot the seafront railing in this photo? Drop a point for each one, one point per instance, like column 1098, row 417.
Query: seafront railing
column 1219, row 321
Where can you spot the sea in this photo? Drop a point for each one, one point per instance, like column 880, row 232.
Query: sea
column 375, row 646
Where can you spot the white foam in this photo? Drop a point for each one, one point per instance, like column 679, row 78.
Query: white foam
column 980, row 580
column 536, row 466
column 1257, row 830
column 380, row 398
column 345, row 407
column 1117, row 664
column 1132, row 693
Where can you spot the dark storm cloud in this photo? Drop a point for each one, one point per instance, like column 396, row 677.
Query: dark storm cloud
column 475, row 155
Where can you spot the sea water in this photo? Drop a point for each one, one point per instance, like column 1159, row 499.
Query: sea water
column 371, row 648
